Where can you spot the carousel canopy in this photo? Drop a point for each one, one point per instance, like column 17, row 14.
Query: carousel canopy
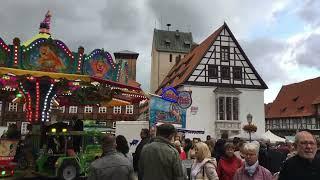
column 53, row 75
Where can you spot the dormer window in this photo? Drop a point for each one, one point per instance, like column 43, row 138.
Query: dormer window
column 301, row 108
column 167, row 43
column 295, row 99
column 283, row 109
column 187, row 44
column 225, row 56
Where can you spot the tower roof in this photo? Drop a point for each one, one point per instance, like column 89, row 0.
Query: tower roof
column 172, row 41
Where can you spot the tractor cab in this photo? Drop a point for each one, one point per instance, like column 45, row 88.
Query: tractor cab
column 59, row 156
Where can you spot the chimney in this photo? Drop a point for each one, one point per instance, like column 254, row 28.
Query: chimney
column 168, row 25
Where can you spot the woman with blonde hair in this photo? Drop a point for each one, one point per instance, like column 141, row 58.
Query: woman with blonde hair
column 203, row 166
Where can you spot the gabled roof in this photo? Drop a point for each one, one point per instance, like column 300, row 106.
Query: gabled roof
column 181, row 71
column 296, row 100
column 172, row 41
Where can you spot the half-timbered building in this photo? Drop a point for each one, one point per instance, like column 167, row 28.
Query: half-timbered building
column 297, row 107
column 224, row 84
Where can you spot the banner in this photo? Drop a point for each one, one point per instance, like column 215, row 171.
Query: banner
column 162, row 111
column 8, row 147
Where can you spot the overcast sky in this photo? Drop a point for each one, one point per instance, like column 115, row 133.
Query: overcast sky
column 280, row 37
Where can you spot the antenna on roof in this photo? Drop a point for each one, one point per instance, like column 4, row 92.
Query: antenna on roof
column 168, row 25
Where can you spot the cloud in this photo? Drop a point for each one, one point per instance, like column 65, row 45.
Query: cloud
column 265, row 54
column 309, row 51
column 309, row 12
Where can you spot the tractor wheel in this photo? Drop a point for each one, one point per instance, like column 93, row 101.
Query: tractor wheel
column 68, row 171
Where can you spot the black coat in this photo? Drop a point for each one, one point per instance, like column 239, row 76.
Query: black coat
column 297, row 168
column 137, row 153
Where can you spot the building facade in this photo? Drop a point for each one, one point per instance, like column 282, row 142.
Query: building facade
column 224, row 84
column 168, row 48
column 296, row 107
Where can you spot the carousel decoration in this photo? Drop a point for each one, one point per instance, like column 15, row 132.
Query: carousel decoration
column 43, row 73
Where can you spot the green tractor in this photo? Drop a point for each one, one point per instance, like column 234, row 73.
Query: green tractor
column 61, row 161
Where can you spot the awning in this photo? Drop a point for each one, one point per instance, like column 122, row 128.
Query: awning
column 272, row 137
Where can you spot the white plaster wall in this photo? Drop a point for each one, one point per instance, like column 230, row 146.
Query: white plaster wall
column 250, row 101
column 204, row 99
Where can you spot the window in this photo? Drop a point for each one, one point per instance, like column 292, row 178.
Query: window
column 235, row 108
column 8, row 123
column 13, row 107
column 24, row 126
column 228, row 108
column 102, row 109
column 167, row 43
column 62, row 109
column 170, row 58
column 212, row 71
column 237, row 73
column 73, row 109
column 88, row 109
column 24, row 107
column 129, row 109
column 225, row 53
column 225, row 72
column 117, row 110
column 221, row 108
column 178, row 58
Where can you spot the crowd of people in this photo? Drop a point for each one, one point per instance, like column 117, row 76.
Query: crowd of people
column 160, row 158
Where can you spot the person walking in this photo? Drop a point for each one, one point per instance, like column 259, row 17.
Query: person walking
column 305, row 165
column 113, row 165
column 159, row 160
column 203, row 166
column 251, row 169
column 219, row 146
column 145, row 138
column 180, row 150
column 229, row 163
column 123, row 147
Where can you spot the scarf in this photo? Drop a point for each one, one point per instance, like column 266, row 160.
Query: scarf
column 251, row 169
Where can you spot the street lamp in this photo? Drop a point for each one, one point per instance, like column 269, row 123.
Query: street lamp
column 249, row 120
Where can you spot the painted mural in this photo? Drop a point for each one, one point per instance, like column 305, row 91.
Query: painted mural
column 46, row 57
column 162, row 111
column 99, row 66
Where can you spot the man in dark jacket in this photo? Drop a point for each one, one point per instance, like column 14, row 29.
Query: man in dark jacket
column 113, row 165
column 159, row 159
column 145, row 138
column 305, row 165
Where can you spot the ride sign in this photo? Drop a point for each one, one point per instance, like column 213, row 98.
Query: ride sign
column 184, row 99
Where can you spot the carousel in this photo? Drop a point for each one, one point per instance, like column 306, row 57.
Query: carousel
column 43, row 74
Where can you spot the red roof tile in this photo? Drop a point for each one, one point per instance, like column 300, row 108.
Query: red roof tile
column 296, row 100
